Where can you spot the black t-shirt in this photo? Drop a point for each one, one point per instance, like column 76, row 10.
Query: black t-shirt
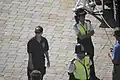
column 37, row 49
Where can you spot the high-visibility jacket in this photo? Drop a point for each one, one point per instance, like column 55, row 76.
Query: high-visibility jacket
column 84, row 31
column 82, row 70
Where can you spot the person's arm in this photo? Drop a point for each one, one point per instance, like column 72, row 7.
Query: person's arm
column 46, row 53
column 86, row 36
column 90, row 62
column 116, row 55
column 71, row 68
column 91, row 32
column 29, row 50
column 30, row 61
column 109, row 55
column 47, row 57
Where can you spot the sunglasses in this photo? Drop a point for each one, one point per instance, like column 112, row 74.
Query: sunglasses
column 38, row 32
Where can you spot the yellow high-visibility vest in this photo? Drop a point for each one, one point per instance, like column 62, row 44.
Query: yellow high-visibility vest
column 83, row 30
column 80, row 72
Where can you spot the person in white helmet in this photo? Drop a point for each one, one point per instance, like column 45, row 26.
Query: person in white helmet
column 79, row 68
column 84, row 30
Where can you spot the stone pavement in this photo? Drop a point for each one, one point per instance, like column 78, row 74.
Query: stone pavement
column 18, row 18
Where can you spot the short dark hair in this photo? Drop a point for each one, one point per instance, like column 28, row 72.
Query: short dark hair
column 38, row 29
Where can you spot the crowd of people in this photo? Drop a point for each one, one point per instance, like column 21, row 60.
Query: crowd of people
column 82, row 66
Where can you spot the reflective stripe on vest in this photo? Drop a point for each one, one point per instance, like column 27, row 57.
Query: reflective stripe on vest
column 83, row 30
column 79, row 72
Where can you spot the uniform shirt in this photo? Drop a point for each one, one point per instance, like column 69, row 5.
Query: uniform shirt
column 86, row 42
column 38, row 49
column 72, row 67
column 77, row 26
column 116, row 53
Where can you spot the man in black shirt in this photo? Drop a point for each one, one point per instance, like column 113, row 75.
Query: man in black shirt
column 37, row 49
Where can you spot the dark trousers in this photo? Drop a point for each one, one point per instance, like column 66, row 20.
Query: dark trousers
column 116, row 72
column 89, row 48
column 92, row 70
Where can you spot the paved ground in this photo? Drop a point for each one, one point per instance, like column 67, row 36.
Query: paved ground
column 18, row 18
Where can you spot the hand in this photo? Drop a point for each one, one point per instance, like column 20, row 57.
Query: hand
column 48, row 64
column 111, row 49
column 31, row 66
column 110, row 56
